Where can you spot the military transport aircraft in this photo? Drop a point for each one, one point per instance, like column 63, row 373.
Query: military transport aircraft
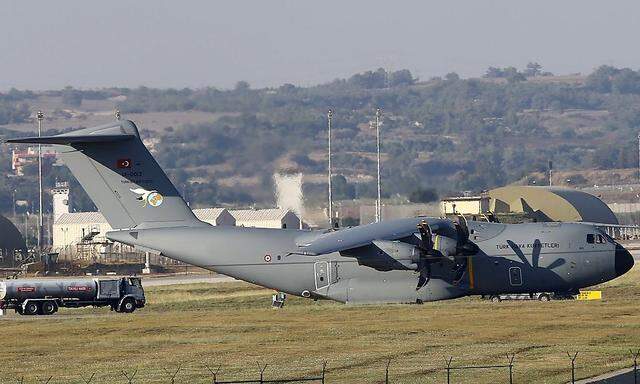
column 395, row 261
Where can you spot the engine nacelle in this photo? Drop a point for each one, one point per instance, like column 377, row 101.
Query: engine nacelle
column 393, row 255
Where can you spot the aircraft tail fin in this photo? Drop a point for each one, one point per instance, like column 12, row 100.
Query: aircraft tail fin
column 120, row 176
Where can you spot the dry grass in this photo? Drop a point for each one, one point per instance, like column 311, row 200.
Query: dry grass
column 232, row 324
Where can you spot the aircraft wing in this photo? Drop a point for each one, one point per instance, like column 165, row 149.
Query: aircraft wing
column 361, row 236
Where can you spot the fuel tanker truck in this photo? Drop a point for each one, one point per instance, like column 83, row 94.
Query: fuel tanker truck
column 45, row 296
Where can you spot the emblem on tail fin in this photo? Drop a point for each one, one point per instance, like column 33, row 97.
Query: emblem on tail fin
column 153, row 198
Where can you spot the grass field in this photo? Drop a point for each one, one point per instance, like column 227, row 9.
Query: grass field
column 232, row 325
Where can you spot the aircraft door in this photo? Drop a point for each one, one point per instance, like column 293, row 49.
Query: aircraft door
column 333, row 272
column 515, row 276
column 321, row 269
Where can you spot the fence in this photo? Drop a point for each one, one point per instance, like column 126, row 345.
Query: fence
column 172, row 375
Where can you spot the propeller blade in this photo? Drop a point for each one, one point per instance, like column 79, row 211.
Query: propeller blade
column 516, row 249
column 535, row 254
column 425, row 275
column 426, row 248
column 425, row 235
column 462, row 229
column 557, row 263
column 464, row 246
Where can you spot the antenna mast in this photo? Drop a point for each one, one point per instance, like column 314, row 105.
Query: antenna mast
column 40, row 117
column 329, row 118
column 379, row 199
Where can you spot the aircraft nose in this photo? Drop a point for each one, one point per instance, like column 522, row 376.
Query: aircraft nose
column 624, row 261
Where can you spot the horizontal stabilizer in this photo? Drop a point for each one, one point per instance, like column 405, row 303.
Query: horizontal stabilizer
column 70, row 140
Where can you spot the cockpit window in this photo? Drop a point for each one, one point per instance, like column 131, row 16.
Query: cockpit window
column 595, row 239
column 608, row 238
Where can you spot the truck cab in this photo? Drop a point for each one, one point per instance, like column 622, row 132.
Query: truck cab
column 124, row 294
column 132, row 288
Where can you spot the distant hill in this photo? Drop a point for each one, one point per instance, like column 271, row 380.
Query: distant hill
column 449, row 134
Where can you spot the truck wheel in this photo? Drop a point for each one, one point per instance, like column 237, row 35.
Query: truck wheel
column 544, row 297
column 128, row 306
column 49, row 308
column 31, row 308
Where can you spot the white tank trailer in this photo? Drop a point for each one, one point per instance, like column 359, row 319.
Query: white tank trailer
column 45, row 296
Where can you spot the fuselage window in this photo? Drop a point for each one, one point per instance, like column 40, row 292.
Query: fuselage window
column 591, row 238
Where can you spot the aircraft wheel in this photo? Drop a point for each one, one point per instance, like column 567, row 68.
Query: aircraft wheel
column 495, row 299
column 49, row 308
column 128, row 306
column 544, row 297
column 31, row 308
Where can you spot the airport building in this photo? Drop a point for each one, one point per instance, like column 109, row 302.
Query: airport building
column 465, row 205
column 266, row 218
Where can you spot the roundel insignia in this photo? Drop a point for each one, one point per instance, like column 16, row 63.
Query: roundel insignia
column 267, row 258
column 155, row 199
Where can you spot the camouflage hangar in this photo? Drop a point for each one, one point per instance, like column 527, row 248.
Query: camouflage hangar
column 550, row 204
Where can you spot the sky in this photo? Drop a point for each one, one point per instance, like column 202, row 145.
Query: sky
column 90, row 44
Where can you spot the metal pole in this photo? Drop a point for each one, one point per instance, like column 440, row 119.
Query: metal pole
column 329, row 118
column 449, row 369
column 511, row 358
column 40, row 116
column 26, row 229
column 379, row 200
column 386, row 374
column 573, row 366
column 638, row 157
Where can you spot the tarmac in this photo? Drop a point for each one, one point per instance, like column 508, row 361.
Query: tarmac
column 155, row 281
column 623, row 376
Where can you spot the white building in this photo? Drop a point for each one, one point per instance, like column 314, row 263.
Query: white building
column 71, row 228
column 468, row 205
column 266, row 218
column 215, row 216
column 60, row 199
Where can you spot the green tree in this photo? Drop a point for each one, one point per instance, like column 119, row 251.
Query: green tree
column 533, row 69
column 342, row 189
column 423, row 195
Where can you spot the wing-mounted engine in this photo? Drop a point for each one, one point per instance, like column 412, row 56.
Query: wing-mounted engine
column 385, row 255
column 405, row 244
